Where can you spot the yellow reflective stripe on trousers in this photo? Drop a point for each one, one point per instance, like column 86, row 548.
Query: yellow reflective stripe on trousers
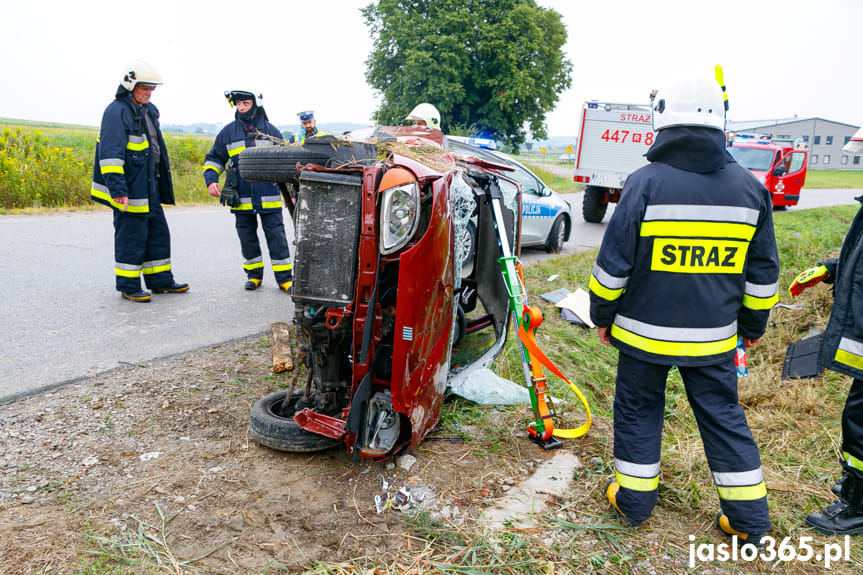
column 854, row 462
column 254, row 264
column 850, row 352
column 637, row 483
column 745, row 493
column 268, row 205
column 673, row 348
column 602, row 291
column 127, row 273
column 697, row 230
column 155, row 267
column 282, row 267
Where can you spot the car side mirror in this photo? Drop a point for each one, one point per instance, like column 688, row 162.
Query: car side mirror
column 545, row 192
column 779, row 171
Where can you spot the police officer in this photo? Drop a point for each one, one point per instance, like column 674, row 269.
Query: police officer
column 247, row 201
column 425, row 114
column 842, row 351
column 309, row 127
column 688, row 263
column 131, row 175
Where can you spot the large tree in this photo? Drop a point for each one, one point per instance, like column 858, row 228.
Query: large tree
column 493, row 65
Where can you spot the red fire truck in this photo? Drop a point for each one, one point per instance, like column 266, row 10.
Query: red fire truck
column 615, row 137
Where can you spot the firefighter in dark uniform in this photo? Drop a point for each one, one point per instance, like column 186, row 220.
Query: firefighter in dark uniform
column 248, row 201
column 309, row 127
column 688, row 263
column 842, row 351
column 131, row 175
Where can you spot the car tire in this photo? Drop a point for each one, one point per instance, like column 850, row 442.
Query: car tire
column 557, row 235
column 594, row 204
column 278, row 164
column 468, row 240
column 269, row 428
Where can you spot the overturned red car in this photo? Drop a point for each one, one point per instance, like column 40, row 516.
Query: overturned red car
column 390, row 303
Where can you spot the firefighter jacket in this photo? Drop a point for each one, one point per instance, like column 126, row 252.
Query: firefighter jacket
column 689, row 258
column 842, row 342
column 240, row 134
column 125, row 163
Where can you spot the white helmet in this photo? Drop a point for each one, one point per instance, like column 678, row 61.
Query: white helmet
column 139, row 72
column 855, row 144
column 427, row 113
column 692, row 102
column 234, row 95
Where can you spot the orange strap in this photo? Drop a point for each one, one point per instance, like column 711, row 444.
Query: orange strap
column 531, row 319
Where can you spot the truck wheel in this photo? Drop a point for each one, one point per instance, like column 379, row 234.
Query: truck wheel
column 269, row 428
column 594, row 205
column 556, row 236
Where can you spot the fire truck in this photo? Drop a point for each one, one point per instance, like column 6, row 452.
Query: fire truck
column 779, row 164
column 615, row 137
column 611, row 145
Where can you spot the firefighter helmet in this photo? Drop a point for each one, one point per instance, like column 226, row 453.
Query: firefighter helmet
column 691, row 102
column 426, row 113
column 139, row 72
column 234, row 96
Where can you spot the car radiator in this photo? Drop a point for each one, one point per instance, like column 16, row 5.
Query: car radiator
column 327, row 235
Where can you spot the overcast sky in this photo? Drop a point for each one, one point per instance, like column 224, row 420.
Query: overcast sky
column 63, row 59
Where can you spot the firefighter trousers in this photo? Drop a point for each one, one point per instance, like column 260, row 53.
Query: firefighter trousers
column 277, row 244
column 852, row 428
column 732, row 455
column 142, row 245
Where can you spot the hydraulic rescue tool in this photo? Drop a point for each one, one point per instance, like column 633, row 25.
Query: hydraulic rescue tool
column 527, row 319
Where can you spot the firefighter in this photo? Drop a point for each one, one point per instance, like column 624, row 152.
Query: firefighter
column 425, row 115
column 309, row 128
column 842, row 351
column 247, row 201
column 688, row 263
column 131, row 174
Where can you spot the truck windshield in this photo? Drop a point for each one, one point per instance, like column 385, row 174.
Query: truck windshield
column 755, row 159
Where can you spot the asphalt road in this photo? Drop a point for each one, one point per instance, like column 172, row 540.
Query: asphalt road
column 62, row 320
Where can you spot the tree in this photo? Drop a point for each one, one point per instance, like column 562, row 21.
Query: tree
column 497, row 65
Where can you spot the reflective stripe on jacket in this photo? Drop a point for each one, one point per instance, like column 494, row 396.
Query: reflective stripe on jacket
column 123, row 163
column 688, row 262
column 842, row 342
column 230, row 142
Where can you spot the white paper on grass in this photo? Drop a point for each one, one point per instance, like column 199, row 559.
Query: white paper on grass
column 578, row 302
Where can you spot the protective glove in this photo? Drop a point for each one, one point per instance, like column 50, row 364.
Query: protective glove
column 808, row 279
column 229, row 198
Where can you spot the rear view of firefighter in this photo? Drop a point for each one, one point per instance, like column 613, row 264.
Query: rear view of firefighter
column 688, row 263
column 248, row 201
column 131, row 175
column 842, row 351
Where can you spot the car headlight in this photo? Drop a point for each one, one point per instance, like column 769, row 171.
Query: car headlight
column 399, row 207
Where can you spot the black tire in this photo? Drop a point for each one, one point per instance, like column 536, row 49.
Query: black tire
column 460, row 327
column 272, row 430
column 277, row 164
column 594, row 205
column 469, row 238
column 557, row 235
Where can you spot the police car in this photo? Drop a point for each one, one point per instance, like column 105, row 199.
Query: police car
column 546, row 218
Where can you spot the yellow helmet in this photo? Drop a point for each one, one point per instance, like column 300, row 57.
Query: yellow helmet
column 426, row 113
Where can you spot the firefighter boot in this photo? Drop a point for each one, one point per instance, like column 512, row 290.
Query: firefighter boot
column 724, row 527
column 139, row 296
column 286, row 286
column 173, row 288
column 845, row 515
column 252, row 284
column 611, row 489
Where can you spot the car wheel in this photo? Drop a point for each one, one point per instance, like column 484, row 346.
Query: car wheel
column 468, row 243
column 556, row 236
column 460, row 326
column 278, row 164
column 594, row 205
column 268, row 427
